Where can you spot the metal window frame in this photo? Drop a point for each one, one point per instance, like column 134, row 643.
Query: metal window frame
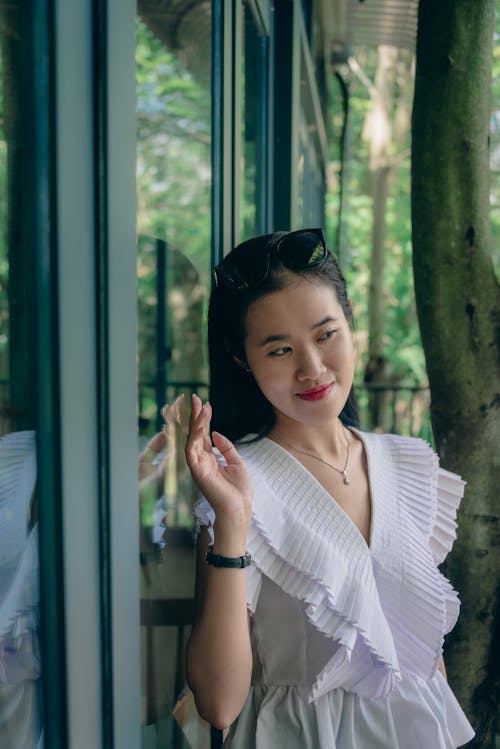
column 76, row 294
column 260, row 14
column 119, row 225
column 223, row 226
column 290, row 42
column 286, row 46
column 227, row 49
column 38, row 139
column 95, row 125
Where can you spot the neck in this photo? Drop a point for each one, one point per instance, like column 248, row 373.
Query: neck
column 321, row 439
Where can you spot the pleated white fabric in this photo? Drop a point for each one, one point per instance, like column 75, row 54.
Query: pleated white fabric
column 20, row 666
column 19, row 594
column 346, row 636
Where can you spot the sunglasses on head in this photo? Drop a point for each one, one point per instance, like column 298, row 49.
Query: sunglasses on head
column 247, row 266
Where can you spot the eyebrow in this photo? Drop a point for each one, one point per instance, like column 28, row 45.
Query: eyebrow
column 284, row 337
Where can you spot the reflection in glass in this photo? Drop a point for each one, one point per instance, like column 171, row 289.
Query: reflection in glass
column 310, row 167
column 253, row 99
column 20, row 666
column 173, row 73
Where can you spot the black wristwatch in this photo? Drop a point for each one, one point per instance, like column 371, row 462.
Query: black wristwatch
column 217, row 560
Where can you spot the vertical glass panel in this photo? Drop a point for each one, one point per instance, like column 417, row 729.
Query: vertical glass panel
column 310, row 176
column 173, row 65
column 20, row 667
column 311, row 181
column 253, row 183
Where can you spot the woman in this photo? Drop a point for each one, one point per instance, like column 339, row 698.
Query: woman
column 320, row 610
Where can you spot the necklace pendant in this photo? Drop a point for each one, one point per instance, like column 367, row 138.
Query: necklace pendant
column 346, row 478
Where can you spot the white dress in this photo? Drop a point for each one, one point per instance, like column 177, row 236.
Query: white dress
column 347, row 637
column 20, row 667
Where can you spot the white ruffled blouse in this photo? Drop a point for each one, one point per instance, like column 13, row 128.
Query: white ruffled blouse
column 347, row 636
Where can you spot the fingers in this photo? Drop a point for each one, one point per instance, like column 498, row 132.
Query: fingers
column 178, row 409
column 149, row 456
column 196, row 408
column 175, row 413
column 153, row 447
column 198, row 440
column 226, row 448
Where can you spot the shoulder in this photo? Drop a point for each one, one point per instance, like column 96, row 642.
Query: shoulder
column 254, row 450
column 403, row 453
column 430, row 493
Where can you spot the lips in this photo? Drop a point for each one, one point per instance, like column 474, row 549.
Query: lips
column 316, row 394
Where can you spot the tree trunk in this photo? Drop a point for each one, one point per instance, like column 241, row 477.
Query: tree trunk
column 458, row 304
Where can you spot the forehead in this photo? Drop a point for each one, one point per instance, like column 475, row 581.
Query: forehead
column 300, row 304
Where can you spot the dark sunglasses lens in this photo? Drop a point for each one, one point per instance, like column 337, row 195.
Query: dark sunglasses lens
column 245, row 267
column 302, row 249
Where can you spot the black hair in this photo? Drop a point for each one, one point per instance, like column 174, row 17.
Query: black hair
column 239, row 407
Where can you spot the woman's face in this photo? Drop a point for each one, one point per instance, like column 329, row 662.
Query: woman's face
column 300, row 351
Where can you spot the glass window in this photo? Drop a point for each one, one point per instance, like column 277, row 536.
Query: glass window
column 311, row 183
column 312, row 145
column 173, row 67
column 20, row 663
column 254, row 103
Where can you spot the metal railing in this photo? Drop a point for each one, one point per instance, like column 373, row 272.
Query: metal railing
column 401, row 409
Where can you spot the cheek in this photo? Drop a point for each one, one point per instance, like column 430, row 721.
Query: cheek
column 268, row 377
column 344, row 353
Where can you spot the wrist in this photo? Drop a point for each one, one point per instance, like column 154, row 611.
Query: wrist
column 229, row 547
column 230, row 539
column 232, row 562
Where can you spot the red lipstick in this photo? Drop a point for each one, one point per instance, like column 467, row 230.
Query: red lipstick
column 316, row 394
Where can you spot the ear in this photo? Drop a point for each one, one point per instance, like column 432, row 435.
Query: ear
column 242, row 364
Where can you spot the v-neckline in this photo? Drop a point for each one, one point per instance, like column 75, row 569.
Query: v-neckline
column 320, row 489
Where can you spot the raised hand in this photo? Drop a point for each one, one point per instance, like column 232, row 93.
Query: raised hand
column 152, row 462
column 227, row 487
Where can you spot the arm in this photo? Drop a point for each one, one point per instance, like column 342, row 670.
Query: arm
column 442, row 667
column 219, row 656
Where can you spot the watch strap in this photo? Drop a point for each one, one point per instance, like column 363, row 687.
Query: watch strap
column 217, row 560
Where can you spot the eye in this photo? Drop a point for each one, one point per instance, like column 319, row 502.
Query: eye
column 328, row 335
column 280, row 351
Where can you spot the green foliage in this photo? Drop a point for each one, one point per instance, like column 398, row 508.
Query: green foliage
column 173, row 153
column 402, row 345
column 174, row 205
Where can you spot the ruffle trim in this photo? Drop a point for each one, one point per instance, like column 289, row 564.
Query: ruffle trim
column 204, row 517
column 17, row 482
column 429, row 497
column 19, row 605
column 450, row 490
column 431, row 493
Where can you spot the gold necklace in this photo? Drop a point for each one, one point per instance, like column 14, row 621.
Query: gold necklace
column 342, row 471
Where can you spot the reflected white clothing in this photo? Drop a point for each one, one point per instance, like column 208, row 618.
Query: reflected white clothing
column 20, row 668
column 347, row 637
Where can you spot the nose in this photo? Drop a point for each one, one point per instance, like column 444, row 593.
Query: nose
column 310, row 365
